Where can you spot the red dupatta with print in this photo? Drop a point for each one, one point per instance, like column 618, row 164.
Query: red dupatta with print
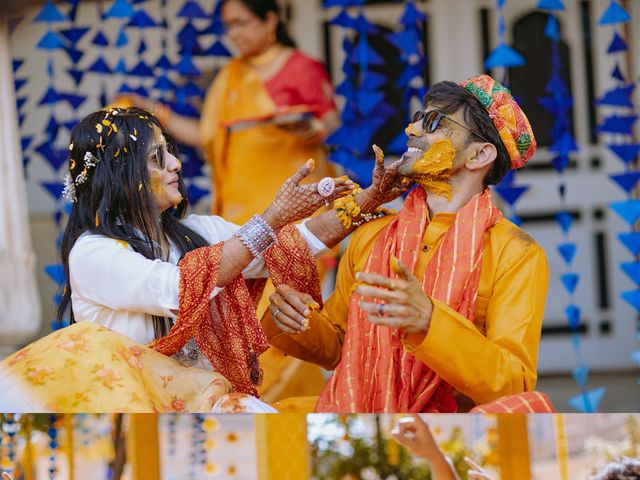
column 226, row 327
column 376, row 373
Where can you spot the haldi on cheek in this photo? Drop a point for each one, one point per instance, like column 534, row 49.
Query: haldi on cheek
column 156, row 183
column 433, row 169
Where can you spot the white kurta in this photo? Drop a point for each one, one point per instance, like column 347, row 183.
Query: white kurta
column 121, row 289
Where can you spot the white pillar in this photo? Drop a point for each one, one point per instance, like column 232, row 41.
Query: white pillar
column 19, row 301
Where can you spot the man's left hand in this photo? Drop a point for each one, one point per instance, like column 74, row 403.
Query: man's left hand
column 400, row 302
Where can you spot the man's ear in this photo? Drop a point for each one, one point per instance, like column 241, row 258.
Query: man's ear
column 485, row 154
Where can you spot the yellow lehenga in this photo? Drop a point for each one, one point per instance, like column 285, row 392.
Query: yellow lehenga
column 88, row 368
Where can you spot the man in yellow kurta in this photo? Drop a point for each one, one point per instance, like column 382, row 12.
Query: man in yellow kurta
column 440, row 307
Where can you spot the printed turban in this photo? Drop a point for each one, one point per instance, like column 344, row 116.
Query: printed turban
column 510, row 121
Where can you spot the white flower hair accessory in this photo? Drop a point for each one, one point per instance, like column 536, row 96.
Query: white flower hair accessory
column 69, row 191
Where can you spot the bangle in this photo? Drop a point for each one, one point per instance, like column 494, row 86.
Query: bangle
column 256, row 235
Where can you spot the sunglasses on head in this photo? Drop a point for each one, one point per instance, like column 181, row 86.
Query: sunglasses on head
column 431, row 121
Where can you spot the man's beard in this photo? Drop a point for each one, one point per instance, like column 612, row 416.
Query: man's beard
column 434, row 168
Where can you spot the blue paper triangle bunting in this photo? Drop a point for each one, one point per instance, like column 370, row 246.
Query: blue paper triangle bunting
column 551, row 29
column 570, row 281
column 629, row 210
column 192, row 10
column 632, row 297
column 74, row 34
column 617, row 73
column 164, row 63
column 56, row 273
column 632, row 269
column 50, row 97
column 631, row 240
column 344, row 20
column 120, row 9
column 580, row 375
column 121, row 67
column 122, row 39
column 51, row 41
column 195, row 193
column 141, row 19
column 588, row 402
column 75, row 101
column 504, row 56
column 617, row 97
column 20, row 101
column 627, row 181
column 511, row 194
column 50, row 14
column 551, row 5
column 412, row 15
column 218, row 49
column 54, row 189
column 625, row 152
column 99, row 66
column 141, row 70
column 618, row 124
column 74, row 54
column 100, row 40
column 573, row 316
column 617, row 44
column 16, row 64
column 564, row 219
column 76, row 74
column 567, row 251
column 614, row 14
column 187, row 67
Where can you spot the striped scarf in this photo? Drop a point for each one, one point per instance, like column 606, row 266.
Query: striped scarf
column 376, row 374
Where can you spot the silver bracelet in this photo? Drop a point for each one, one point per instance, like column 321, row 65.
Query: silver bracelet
column 256, row 235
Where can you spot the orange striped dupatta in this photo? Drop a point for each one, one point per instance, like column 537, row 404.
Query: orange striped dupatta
column 376, row 374
column 226, row 328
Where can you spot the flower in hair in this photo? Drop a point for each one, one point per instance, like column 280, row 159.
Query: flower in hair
column 69, row 191
column 90, row 160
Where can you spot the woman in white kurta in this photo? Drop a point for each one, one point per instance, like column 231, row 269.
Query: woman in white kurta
column 124, row 240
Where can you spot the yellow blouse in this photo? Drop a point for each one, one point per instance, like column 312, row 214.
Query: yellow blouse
column 495, row 356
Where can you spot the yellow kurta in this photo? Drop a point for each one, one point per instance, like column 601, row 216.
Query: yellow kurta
column 494, row 357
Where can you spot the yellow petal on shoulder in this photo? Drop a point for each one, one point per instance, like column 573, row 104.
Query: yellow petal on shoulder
column 394, row 264
column 124, row 244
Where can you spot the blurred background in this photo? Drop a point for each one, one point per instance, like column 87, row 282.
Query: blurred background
column 299, row 447
column 573, row 64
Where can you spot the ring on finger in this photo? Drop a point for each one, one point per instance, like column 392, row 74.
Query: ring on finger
column 381, row 309
column 275, row 315
column 326, row 186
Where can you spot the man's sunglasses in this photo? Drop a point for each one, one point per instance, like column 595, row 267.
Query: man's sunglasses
column 432, row 118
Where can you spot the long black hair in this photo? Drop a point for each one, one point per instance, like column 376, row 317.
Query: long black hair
column 115, row 198
column 260, row 8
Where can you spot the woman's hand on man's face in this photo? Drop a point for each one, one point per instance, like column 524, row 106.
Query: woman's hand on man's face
column 295, row 202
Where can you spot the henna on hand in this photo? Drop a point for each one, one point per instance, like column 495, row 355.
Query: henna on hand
column 387, row 184
column 294, row 201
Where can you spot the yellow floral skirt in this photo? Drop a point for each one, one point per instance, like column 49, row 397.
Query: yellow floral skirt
column 88, row 368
